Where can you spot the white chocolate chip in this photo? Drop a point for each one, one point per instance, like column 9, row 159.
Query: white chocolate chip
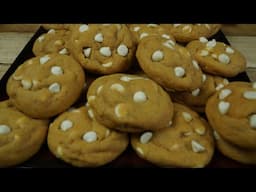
column 187, row 117
column 211, row 44
column 127, row 78
column 91, row 98
column 195, row 92
column 99, row 37
column 17, row 78
column 109, row 64
column 139, row 97
column 224, row 93
column 41, row 38
column 254, row 85
column 229, row 50
column 90, row 136
column 253, row 121
column 195, row 64
column 166, row 36
column 63, row 51
column 223, row 107
column 59, row 151
column 65, row 125
column 122, row 50
column 223, row 58
column 157, row 55
column 117, row 110
column 203, row 40
column 54, row 88
column 90, row 113
column 187, row 28
column 204, row 53
column 58, row 42
column 105, row 51
column 87, row 52
column 145, row 137
column 200, row 130
column 179, row 71
column 99, row 89
column 169, row 44
column 107, row 133
column 56, row 70
column 51, row 31
column 204, row 77
column 44, row 59
column 214, row 56
column 225, row 81
column 186, row 134
column 83, row 28
column 140, row 151
column 152, row 25
column 35, row 83
column 117, row 87
column 216, row 135
column 142, row 35
column 26, row 84
column 136, row 29
column 250, row 95
column 219, row 87
column 207, row 26
column 176, row 25
column 4, row 129
column 197, row 147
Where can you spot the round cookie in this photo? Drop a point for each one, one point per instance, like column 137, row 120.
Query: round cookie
column 52, row 42
column 78, row 140
column 44, row 86
column 187, row 32
column 129, row 103
column 20, row 136
column 140, row 31
column 217, row 58
column 197, row 98
column 169, row 64
column 231, row 111
column 242, row 155
column 103, row 48
column 188, row 142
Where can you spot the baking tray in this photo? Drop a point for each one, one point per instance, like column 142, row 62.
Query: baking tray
column 44, row 158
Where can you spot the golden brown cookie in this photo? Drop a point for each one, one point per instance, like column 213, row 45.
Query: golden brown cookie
column 20, row 136
column 78, row 140
column 44, row 86
column 242, row 155
column 140, row 31
column 231, row 111
column 188, row 142
column 103, row 48
column 169, row 64
column 197, row 98
column 217, row 58
column 54, row 41
column 129, row 103
column 187, row 32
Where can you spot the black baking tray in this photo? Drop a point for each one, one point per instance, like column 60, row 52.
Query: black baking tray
column 44, row 159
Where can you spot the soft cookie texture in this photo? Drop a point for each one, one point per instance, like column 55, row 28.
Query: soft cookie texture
column 168, row 63
column 187, row 142
column 46, row 85
column 197, row 98
column 55, row 41
column 20, row 136
column 103, row 48
column 81, row 141
column 217, row 58
column 187, row 32
column 231, row 111
column 129, row 103
column 242, row 155
column 140, row 31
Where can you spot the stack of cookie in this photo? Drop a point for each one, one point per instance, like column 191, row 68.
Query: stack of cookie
column 141, row 70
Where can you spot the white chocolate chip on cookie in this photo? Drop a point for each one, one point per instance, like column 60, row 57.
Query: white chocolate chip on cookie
column 44, row 59
column 83, row 28
column 109, row 64
column 87, row 51
column 122, row 50
column 157, row 55
column 179, row 71
column 195, row 92
column 117, row 87
column 223, row 58
column 203, row 40
column 146, row 137
column 253, row 121
column 26, row 84
column 187, row 117
column 197, row 147
column 250, row 95
column 224, row 93
column 41, row 38
column 4, row 129
column 66, row 124
column 139, row 97
column 105, row 51
column 223, row 107
column 99, row 37
column 54, row 88
column 56, row 70
column 229, row 50
column 63, row 51
column 90, row 136
column 195, row 64
column 204, row 53
column 142, row 35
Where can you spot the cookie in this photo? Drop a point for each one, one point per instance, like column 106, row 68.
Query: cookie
column 80, row 141
column 44, row 86
column 242, row 155
column 129, row 103
column 169, row 64
column 188, row 142
column 103, row 48
column 52, row 42
column 197, row 98
column 140, row 31
column 217, row 58
column 20, row 136
column 231, row 111
column 187, row 32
